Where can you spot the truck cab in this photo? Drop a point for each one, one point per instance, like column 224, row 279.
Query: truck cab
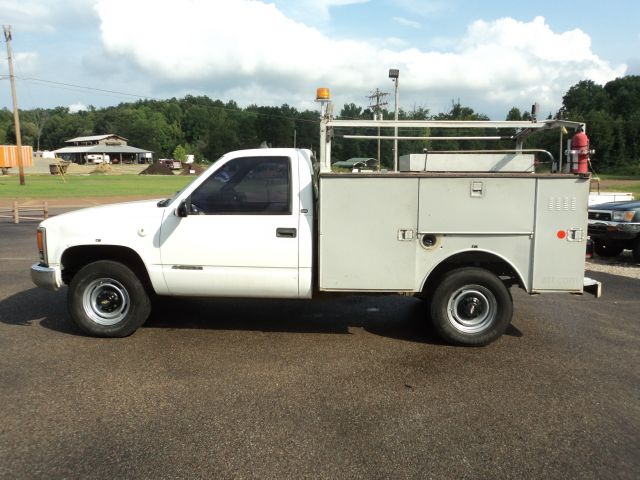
column 248, row 226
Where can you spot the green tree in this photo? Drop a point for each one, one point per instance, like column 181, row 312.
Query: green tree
column 584, row 97
column 612, row 118
column 344, row 149
column 459, row 112
column 221, row 136
column 179, row 153
column 601, row 133
column 275, row 126
column 6, row 119
column 624, row 96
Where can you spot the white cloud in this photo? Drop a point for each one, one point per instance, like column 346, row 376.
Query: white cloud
column 313, row 11
column 43, row 16
column 395, row 42
column 244, row 48
column 25, row 62
column 248, row 40
column 406, row 22
column 24, row 14
column 77, row 107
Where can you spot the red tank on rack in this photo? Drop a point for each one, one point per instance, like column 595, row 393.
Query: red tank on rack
column 580, row 142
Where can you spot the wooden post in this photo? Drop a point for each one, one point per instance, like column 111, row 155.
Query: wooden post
column 16, row 214
column 45, row 211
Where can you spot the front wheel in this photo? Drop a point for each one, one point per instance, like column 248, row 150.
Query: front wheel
column 607, row 249
column 471, row 307
column 635, row 250
column 106, row 299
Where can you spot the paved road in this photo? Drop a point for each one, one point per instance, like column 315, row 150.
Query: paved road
column 355, row 387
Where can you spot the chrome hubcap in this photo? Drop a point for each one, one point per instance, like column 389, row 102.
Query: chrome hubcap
column 472, row 308
column 106, row 301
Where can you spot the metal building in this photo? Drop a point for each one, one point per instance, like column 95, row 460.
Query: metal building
column 114, row 146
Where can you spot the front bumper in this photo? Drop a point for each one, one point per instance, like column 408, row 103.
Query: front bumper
column 613, row 230
column 46, row 277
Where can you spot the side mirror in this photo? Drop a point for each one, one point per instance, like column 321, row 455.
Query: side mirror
column 182, row 210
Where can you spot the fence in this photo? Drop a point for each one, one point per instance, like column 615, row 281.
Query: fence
column 15, row 212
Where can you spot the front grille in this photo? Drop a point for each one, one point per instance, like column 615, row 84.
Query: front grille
column 595, row 229
column 606, row 216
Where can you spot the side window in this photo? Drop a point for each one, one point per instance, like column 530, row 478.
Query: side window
column 249, row 186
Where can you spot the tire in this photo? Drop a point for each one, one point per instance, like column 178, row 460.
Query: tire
column 607, row 249
column 471, row 307
column 635, row 250
column 106, row 299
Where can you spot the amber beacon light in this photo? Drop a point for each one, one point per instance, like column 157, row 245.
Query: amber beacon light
column 323, row 94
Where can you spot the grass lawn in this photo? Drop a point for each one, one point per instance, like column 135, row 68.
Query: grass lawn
column 616, row 183
column 77, row 186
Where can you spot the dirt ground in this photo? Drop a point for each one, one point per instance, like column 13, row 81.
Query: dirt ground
column 610, row 183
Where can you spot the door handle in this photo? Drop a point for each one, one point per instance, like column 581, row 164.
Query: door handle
column 286, row 232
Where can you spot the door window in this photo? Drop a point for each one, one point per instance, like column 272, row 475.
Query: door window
column 249, row 186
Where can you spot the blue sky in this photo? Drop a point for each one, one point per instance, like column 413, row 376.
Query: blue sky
column 614, row 26
column 491, row 55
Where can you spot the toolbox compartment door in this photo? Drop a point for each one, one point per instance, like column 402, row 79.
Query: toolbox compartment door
column 561, row 234
column 367, row 230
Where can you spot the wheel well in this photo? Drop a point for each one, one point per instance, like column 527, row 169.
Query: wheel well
column 491, row 262
column 74, row 258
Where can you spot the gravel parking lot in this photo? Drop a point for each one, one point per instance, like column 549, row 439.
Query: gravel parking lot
column 622, row 265
column 347, row 387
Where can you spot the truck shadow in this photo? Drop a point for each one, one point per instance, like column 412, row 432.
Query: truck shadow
column 38, row 307
column 387, row 316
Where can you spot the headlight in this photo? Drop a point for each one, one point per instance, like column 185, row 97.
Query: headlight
column 42, row 245
column 622, row 216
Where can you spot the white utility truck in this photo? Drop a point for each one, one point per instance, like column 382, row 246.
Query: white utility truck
column 457, row 229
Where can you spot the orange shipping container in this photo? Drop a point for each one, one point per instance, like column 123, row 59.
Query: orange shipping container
column 9, row 156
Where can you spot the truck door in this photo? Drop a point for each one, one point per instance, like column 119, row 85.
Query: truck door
column 240, row 237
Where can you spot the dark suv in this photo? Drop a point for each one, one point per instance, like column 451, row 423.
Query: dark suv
column 615, row 226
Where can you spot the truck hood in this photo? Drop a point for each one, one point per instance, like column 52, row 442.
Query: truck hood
column 135, row 225
column 628, row 205
column 111, row 212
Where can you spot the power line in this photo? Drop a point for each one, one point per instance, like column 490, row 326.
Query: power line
column 83, row 87
column 115, row 93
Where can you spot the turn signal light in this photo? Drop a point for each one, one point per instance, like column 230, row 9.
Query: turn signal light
column 42, row 254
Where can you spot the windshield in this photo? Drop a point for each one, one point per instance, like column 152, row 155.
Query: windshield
column 167, row 201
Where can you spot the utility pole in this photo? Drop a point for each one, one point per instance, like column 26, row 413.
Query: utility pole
column 16, row 115
column 378, row 95
column 394, row 75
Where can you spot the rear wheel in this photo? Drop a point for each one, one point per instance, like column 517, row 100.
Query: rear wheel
column 471, row 307
column 107, row 299
column 607, row 249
